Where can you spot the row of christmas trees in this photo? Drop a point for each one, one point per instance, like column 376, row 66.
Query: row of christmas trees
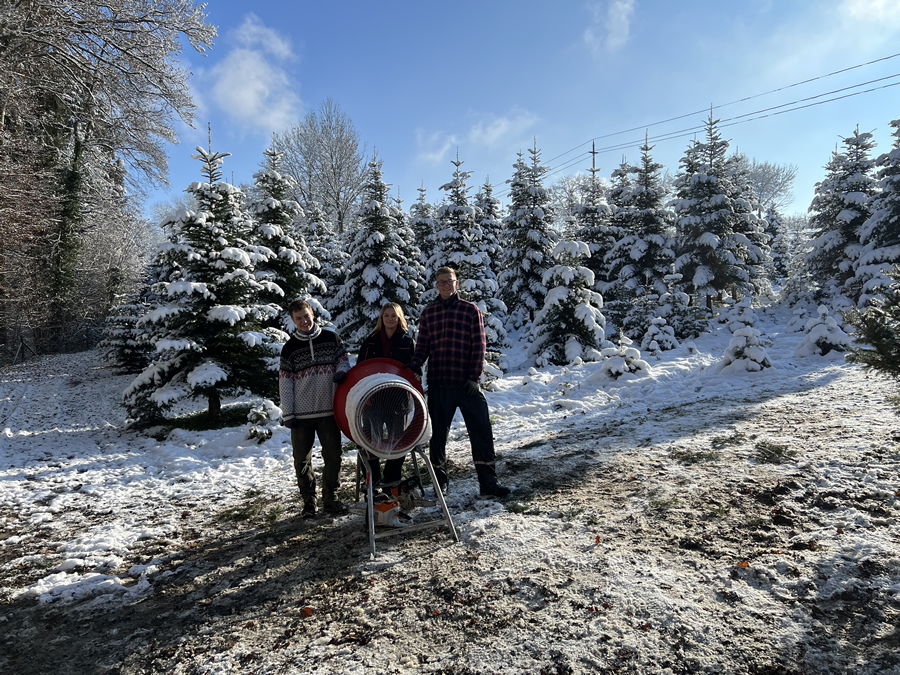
column 213, row 311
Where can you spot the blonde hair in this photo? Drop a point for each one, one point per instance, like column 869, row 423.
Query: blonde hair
column 401, row 319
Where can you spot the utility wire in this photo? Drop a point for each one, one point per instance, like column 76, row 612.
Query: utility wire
column 771, row 111
column 724, row 105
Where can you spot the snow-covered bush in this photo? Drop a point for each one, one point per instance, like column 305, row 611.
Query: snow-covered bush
column 687, row 320
column 659, row 337
column 739, row 315
column 623, row 362
column 823, row 335
column 744, row 354
column 800, row 316
column 262, row 419
column 570, row 326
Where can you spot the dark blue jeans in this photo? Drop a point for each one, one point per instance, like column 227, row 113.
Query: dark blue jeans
column 442, row 405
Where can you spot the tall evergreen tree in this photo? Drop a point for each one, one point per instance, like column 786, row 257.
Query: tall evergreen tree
column 750, row 237
column 644, row 255
column 880, row 234
column 326, row 246
column 529, row 239
column 779, row 243
column 592, row 225
column 421, row 220
column 283, row 266
column 491, row 224
column 710, row 250
column 839, row 209
column 570, row 326
column 207, row 325
column 412, row 268
column 375, row 271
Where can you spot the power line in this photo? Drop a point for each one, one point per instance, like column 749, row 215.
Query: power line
column 724, row 105
column 732, row 121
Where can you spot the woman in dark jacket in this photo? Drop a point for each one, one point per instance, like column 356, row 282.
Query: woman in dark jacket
column 390, row 340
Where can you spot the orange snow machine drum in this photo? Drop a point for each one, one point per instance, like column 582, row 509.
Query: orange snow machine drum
column 381, row 407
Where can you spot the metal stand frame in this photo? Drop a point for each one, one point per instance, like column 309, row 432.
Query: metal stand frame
column 370, row 501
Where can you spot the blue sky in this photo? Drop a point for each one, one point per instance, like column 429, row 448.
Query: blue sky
column 425, row 80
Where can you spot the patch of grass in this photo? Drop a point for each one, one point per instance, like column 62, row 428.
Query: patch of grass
column 252, row 508
column 768, row 452
column 755, row 523
column 718, row 512
column 663, row 504
column 571, row 514
column 735, row 439
column 691, row 457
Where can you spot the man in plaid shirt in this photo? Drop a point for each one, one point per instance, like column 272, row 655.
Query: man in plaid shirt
column 451, row 338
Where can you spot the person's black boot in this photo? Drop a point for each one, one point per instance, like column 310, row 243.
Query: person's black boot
column 494, row 490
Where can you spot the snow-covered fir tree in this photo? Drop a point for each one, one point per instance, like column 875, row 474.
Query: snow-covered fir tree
column 376, row 269
column 570, row 327
column 124, row 343
column 529, row 239
column 592, row 225
column 839, row 209
column 823, row 335
column 459, row 244
column 878, row 330
column 744, row 354
column 686, row 320
column 283, row 265
column 779, row 244
column 739, row 315
column 645, row 253
column 206, row 327
column 711, row 249
column 623, row 362
column 659, row 337
column 421, row 220
column 412, row 268
column 880, row 234
column 490, row 221
column 750, row 237
column 327, row 247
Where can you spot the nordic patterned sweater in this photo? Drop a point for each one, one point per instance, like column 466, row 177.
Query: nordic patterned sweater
column 305, row 380
column 452, row 340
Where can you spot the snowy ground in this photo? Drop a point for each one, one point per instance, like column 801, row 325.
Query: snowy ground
column 647, row 533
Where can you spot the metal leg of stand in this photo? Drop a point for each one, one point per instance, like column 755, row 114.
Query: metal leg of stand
column 370, row 501
column 440, row 495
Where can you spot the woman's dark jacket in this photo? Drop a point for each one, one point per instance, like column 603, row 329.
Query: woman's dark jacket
column 402, row 347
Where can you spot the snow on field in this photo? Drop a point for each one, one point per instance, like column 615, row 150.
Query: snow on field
column 672, row 522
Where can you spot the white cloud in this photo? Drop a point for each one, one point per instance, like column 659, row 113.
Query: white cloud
column 495, row 130
column 253, row 91
column 250, row 84
column 434, row 147
column 253, row 34
column 487, row 131
column 873, row 11
column 610, row 28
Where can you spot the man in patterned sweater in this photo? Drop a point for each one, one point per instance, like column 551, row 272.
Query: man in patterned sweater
column 312, row 361
column 451, row 338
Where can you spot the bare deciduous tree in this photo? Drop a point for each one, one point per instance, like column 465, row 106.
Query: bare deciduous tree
column 772, row 183
column 323, row 153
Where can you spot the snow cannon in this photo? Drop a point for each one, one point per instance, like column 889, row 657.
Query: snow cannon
column 380, row 406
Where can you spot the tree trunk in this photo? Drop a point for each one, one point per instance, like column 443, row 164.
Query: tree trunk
column 215, row 407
